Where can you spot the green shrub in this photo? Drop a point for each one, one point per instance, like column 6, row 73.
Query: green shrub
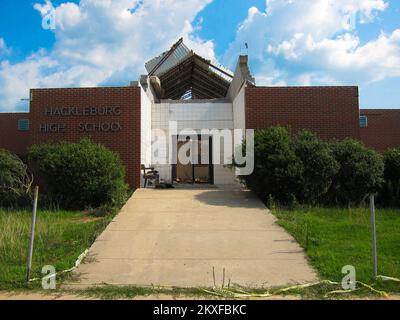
column 277, row 170
column 391, row 189
column 307, row 170
column 319, row 166
column 15, row 181
column 80, row 175
column 360, row 173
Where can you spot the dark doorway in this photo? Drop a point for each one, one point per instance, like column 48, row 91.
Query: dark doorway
column 200, row 169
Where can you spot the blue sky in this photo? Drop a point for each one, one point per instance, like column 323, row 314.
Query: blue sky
column 106, row 42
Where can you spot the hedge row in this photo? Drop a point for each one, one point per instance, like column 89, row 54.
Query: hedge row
column 305, row 169
column 15, row 181
column 390, row 192
column 300, row 169
column 72, row 175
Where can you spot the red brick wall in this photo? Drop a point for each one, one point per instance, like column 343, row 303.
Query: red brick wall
column 10, row 137
column 383, row 131
column 330, row 112
column 125, row 141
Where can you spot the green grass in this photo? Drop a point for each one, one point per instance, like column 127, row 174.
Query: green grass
column 61, row 236
column 333, row 238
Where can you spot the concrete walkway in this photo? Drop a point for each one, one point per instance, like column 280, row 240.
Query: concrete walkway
column 176, row 237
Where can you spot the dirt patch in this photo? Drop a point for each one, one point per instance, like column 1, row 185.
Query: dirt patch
column 40, row 296
column 87, row 219
column 66, row 296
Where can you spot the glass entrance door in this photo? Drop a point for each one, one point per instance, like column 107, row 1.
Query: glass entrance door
column 200, row 169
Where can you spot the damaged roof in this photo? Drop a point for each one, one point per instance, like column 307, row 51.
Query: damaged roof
column 168, row 59
column 185, row 75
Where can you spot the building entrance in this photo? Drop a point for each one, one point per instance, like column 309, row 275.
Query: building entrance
column 194, row 161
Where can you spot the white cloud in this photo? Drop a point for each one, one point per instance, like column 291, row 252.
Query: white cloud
column 68, row 15
column 16, row 78
column 293, row 42
column 114, row 35
column 4, row 50
column 306, row 42
column 101, row 42
column 43, row 8
column 344, row 56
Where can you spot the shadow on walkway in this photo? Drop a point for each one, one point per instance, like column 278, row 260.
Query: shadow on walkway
column 234, row 199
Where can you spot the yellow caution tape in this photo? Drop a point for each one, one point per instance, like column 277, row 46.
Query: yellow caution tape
column 384, row 278
column 241, row 294
column 77, row 263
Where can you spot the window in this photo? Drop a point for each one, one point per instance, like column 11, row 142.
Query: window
column 23, row 124
column 363, row 122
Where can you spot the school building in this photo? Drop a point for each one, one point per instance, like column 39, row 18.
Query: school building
column 189, row 90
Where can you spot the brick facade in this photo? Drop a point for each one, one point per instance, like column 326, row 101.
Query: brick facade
column 330, row 112
column 11, row 138
column 383, row 131
column 110, row 116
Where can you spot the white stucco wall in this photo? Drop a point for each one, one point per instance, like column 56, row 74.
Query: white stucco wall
column 209, row 115
column 196, row 116
column 224, row 175
column 145, row 128
column 239, row 115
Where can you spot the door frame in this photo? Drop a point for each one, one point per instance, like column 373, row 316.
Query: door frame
column 210, row 165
